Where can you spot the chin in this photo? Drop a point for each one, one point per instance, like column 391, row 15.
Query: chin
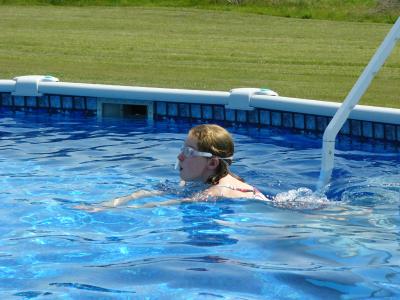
column 185, row 178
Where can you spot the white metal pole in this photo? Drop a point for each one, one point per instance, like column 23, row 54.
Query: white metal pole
column 359, row 88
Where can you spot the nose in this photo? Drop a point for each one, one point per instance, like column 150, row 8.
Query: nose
column 181, row 157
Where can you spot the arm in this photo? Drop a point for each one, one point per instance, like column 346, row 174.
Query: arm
column 135, row 195
column 163, row 203
column 200, row 197
column 118, row 201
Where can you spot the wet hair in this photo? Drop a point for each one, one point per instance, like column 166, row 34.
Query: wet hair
column 217, row 141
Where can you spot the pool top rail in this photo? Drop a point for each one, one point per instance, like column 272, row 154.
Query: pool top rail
column 262, row 107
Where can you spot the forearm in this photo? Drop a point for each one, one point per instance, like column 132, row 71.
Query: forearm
column 118, row 201
column 162, row 203
column 125, row 199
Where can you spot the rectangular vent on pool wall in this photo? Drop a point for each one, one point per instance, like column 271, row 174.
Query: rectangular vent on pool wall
column 121, row 108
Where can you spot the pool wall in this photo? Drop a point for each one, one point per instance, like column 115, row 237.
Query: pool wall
column 258, row 107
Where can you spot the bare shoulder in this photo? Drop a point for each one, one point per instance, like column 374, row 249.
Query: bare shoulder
column 232, row 187
column 213, row 191
column 230, row 181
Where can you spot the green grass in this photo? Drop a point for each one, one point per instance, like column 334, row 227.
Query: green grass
column 196, row 49
column 384, row 11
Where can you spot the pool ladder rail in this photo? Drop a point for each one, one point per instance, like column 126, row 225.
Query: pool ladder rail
column 354, row 96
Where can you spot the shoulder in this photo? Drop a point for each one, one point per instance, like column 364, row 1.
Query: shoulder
column 229, row 191
column 213, row 191
column 233, row 183
column 231, row 187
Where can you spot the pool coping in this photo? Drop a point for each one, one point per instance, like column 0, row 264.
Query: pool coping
column 262, row 107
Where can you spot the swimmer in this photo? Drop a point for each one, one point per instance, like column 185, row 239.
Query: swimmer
column 205, row 157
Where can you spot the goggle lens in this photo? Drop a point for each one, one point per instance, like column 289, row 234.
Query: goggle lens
column 190, row 152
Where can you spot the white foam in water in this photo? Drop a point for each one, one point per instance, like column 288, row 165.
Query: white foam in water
column 302, row 198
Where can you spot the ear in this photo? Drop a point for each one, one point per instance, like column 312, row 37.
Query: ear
column 213, row 163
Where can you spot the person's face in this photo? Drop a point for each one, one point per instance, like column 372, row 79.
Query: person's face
column 193, row 167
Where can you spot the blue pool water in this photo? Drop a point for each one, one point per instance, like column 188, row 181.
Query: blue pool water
column 344, row 247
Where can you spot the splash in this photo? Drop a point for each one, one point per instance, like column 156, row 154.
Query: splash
column 301, row 198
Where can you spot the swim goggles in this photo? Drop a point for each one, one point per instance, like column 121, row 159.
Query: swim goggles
column 190, row 152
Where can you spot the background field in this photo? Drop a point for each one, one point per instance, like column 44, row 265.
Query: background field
column 351, row 10
column 195, row 49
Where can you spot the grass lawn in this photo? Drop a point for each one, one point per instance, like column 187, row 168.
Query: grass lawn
column 196, row 49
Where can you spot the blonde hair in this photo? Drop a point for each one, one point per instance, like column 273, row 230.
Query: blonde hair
column 216, row 140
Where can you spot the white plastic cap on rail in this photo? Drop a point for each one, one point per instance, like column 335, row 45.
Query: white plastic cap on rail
column 29, row 85
column 240, row 98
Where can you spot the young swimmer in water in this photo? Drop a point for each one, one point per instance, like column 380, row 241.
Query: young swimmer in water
column 205, row 157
